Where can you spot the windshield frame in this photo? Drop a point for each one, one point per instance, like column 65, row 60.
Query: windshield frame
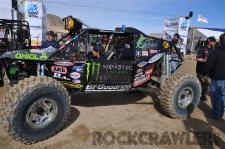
column 74, row 38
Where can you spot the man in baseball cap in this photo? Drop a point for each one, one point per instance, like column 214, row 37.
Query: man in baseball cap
column 201, row 67
column 50, row 40
column 216, row 69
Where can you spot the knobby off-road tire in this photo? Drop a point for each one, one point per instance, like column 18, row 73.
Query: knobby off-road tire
column 51, row 100
column 180, row 95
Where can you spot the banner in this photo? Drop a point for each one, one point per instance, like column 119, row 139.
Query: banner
column 170, row 28
column 35, row 15
column 35, row 22
column 178, row 25
column 183, row 32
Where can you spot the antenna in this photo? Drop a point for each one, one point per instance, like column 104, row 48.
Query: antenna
column 190, row 15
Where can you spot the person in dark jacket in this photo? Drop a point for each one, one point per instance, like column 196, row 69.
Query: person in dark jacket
column 177, row 41
column 50, row 40
column 201, row 67
column 216, row 69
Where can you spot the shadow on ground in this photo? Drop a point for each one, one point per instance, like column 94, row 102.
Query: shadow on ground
column 203, row 131
column 105, row 99
column 117, row 98
column 74, row 114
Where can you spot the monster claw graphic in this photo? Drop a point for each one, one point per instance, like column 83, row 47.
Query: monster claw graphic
column 93, row 68
column 88, row 70
column 98, row 68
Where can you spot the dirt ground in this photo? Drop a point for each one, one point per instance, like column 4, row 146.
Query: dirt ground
column 133, row 115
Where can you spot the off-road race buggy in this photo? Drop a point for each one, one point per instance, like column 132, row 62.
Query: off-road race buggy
column 37, row 105
column 14, row 35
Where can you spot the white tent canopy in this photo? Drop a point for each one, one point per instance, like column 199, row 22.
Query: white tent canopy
column 209, row 32
column 198, row 33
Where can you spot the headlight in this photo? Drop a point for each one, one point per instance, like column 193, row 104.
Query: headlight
column 69, row 23
column 166, row 45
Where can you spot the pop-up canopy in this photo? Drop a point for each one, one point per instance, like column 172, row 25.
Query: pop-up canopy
column 211, row 32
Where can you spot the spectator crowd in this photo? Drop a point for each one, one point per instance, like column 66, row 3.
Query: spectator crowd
column 211, row 66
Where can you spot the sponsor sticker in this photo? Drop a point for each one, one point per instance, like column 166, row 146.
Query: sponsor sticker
column 144, row 53
column 142, row 64
column 153, row 51
column 78, row 68
column 76, row 81
column 36, row 51
column 32, row 56
column 149, row 71
column 60, row 76
column 138, row 74
column 59, row 69
column 138, row 53
column 140, row 80
column 71, row 85
column 139, row 70
column 63, row 63
column 155, row 58
column 75, row 75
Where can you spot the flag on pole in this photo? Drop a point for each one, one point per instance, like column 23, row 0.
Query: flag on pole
column 202, row 19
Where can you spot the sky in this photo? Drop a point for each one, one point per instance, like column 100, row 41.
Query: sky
column 145, row 15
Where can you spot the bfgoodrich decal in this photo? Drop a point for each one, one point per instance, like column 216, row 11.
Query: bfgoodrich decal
column 102, row 87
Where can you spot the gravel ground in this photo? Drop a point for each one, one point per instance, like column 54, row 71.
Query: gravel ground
column 130, row 121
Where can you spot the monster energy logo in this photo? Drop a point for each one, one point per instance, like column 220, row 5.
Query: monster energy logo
column 141, row 42
column 95, row 68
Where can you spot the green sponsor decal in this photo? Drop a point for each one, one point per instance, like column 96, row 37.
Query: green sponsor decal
column 13, row 70
column 32, row 56
column 95, row 68
column 88, row 70
column 141, row 42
